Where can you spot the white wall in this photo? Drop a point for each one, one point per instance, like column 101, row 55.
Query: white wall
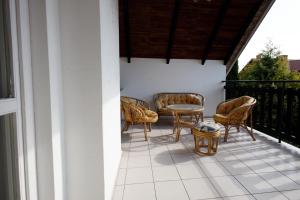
column 144, row 77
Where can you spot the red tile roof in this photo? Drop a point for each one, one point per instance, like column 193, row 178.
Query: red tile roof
column 294, row 65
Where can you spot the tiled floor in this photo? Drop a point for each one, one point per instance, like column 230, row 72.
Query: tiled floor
column 162, row 169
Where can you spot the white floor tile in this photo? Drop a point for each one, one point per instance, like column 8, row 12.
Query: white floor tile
column 259, row 166
column 205, row 159
column 143, row 191
column 279, row 181
column 294, row 175
column 279, row 164
column 243, row 155
column 158, row 149
column 170, row 190
column 165, row 173
column 161, row 160
column 138, row 153
column 292, row 195
column 190, row 171
column 254, row 183
column 171, row 161
column 228, row 186
column 121, row 177
column 214, row 169
column 237, row 167
column 200, row 189
column 118, row 192
column 225, row 156
column 183, row 158
column 139, row 175
column 124, row 161
column 138, row 161
column 243, row 197
column 272, row 195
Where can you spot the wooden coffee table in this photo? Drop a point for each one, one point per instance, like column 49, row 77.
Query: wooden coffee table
column 192, row 111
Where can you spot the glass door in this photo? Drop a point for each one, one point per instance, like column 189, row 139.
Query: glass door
column 11, row 148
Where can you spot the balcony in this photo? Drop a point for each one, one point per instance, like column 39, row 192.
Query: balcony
column 241, row 169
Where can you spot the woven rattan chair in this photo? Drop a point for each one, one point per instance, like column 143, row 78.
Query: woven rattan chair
column 136, row 111
column 234, row 113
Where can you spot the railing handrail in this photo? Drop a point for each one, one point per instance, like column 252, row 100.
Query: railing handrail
column 262, row 81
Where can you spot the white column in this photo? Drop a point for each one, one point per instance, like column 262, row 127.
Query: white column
column 75, row 62
column 81, row 61
column 110, row 69
column 47, row 94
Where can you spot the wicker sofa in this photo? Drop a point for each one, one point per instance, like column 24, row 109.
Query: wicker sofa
column 162, row 100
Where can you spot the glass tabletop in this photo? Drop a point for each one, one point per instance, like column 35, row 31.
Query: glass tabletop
column 185, row 107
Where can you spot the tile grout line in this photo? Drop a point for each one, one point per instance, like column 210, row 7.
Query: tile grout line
column 126, row 168
column 181, row 180
column 155, row 193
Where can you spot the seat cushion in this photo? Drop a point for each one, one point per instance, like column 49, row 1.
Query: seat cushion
column 220, row 118
column 207, row 127
column 165, row 99
column 151, row 116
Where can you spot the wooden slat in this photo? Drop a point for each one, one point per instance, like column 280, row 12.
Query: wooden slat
column 172, row 30
column 242, row 30
column 127, row 30
column 215, row 30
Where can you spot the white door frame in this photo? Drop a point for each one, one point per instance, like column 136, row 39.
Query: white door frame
column 22, row 104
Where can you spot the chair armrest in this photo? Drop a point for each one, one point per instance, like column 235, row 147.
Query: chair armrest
column 221, row 108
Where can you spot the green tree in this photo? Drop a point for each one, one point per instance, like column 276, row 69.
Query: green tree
column 234, row 72
column 269, row 65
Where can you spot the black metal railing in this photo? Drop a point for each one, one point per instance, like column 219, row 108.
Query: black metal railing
column 277, row 112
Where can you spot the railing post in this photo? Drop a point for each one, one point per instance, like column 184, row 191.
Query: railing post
column 281, row 110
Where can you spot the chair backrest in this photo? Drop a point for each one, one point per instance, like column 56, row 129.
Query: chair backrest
column 131, row 107
column 227, row 106
column 164, row 99
column 242, row 108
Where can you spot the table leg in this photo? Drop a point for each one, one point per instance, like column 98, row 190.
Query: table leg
column 209, row 145
column 177, row 123
column 196, row 139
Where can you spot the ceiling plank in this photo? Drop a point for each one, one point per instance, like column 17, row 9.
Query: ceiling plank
column 242, row 30
column 127, row 30
column 172, row 30
column 215, row 30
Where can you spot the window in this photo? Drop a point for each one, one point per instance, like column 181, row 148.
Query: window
column 9, row 189
column 11, row 149
column 6, row 71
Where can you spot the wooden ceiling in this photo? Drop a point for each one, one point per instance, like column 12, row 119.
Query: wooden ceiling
column 188, row 29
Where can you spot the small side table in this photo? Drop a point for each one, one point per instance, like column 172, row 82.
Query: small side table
column 206, row 135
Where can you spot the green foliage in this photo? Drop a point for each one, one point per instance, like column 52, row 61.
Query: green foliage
column 234, row 73
column 294, row 75
column 269, row 65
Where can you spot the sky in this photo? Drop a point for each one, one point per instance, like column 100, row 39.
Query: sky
column 281, row 26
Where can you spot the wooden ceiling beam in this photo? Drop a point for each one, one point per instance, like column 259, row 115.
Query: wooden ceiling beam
column 215, row 30
column 127, row 30
column 172, row 30
column 242, row 30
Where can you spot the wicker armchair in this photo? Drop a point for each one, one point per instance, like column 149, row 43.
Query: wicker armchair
column 234, row 113
column 136, row 111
